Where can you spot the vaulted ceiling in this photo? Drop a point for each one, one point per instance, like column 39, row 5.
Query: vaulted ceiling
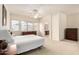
column 43, row 9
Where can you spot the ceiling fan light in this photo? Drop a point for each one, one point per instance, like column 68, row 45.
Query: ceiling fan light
column 36, row 16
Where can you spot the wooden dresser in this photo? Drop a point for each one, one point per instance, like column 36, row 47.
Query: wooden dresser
column 71, row 34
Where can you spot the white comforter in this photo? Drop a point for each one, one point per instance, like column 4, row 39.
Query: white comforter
column 28, row 42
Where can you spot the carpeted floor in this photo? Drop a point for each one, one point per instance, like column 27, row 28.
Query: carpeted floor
column 52, row 47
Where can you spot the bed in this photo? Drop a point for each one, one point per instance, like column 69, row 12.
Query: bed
column 27, row 42
column 23, row 43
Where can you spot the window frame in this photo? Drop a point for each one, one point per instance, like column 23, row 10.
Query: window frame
column 20, row 26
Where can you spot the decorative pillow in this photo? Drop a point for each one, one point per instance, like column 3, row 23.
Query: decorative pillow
column 4, row 34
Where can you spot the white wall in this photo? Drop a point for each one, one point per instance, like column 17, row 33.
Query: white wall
column 22, row 17
column 62, row 25
column 73, row 21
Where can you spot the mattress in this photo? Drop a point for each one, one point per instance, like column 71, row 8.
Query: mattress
column 27, row 42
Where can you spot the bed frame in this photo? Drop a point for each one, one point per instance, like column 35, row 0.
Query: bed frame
column 30, row 51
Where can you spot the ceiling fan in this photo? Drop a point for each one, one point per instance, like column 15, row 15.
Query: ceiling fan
column 36, row 14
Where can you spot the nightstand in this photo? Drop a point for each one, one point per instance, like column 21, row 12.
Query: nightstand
column 11, row 49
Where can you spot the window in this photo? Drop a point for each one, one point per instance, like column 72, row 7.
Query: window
column 15, row 25
column 30, row 26
column 23, row 26
column 36, row 26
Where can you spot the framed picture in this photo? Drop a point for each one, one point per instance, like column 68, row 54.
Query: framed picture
column 46, row 27
column 4, row 16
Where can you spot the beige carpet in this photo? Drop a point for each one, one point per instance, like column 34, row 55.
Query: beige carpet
column 52, row 47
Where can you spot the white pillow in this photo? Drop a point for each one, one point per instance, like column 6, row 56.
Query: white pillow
column 5, row 35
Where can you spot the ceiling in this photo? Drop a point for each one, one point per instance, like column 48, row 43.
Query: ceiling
column 43, row 9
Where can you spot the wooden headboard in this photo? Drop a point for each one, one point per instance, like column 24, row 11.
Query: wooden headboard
column 29, row 32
